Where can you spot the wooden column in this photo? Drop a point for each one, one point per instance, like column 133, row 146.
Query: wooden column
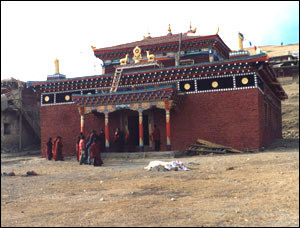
column 106, row 130
column 82, row 124
column 81, row 112
column 141, row 137
column 168, row 129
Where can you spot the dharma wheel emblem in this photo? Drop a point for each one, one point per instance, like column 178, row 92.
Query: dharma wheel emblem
column 187, row 86
column 214, row 84
column 67, row 97
column 46, row 98
column 245, row 81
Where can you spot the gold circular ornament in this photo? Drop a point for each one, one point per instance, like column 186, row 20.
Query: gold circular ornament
column 137, row 50
column 46, row 98
column 214, row 84
column 187, row 86
column 67, row 97
column 245, row 81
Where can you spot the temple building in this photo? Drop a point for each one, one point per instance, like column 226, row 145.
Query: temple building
column 191, row 86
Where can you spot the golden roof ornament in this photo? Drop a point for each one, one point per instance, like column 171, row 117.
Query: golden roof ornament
column 217, row 30
column 192, row 31
column 169, row 30
column 93, row 47
column 56, row 62
column 137, row 54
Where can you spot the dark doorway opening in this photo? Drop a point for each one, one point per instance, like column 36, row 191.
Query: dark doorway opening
column 133, row 127
column 145, row 130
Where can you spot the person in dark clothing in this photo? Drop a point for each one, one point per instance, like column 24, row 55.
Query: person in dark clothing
column 96, row 153
column 118, row 140
column 155, row 136
column 129, row 141
column 101, row 138
column 93, row 136
column 49, row 149
column 82, row 151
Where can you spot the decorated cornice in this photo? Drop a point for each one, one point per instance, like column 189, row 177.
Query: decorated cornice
column 162, row 76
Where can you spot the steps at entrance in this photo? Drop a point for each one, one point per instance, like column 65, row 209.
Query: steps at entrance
column 139, row 155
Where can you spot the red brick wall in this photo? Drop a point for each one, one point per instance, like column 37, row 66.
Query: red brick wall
column 274, row 126
column 229, row 118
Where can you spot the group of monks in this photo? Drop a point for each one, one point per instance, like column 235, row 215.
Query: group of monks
column 89, row 151
column 54, row 150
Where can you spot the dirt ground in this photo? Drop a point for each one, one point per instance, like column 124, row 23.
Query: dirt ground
column 261, row 189
column 250, row 189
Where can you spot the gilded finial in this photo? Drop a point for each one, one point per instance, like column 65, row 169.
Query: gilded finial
column 149, row 34
column 93, row 47
column 217, row 30
column 169, row 29
column 56, row 62
column 190, row 25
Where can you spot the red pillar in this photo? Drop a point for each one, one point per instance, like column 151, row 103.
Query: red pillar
column 168, row 129
column 106, row 131
column 82, row 124
column 81, row 112
column 141, row 136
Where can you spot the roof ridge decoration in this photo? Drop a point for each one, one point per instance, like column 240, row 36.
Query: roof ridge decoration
column 169, row 30
column 137, row 54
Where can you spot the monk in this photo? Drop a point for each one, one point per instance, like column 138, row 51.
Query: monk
column 118, row 140
column 53, row 147
column 92, row 136
column 95, row 153
column 58, row 149
column 155, row 136
column 101, row 138
column 49, row 149
column 82, row 150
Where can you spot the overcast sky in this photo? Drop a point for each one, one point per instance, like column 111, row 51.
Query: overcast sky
column 34, row 33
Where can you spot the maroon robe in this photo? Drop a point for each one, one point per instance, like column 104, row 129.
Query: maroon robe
column 58, row 151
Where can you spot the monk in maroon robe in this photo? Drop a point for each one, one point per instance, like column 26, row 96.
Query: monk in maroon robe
column 58, row 149
column 155, row 136
column 49, row 149
column 96, row 153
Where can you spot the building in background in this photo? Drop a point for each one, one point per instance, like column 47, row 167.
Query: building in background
column 284, row 59
column 190, row 86
column 19, row 116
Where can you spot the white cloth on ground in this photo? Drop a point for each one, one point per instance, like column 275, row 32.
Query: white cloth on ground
column 167, row 165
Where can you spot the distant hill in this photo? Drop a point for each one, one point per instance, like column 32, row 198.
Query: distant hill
column 274, row 50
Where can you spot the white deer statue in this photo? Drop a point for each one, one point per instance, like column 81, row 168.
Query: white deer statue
column 150, row 57
column 124, row 60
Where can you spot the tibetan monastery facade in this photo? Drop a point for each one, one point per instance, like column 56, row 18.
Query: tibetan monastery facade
column 189, row 86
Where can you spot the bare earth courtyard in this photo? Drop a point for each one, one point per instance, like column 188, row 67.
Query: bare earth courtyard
column 253, row 189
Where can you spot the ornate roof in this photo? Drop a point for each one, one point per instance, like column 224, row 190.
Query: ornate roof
column 162, row 40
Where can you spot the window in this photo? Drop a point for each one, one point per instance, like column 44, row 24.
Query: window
column 7, row 129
